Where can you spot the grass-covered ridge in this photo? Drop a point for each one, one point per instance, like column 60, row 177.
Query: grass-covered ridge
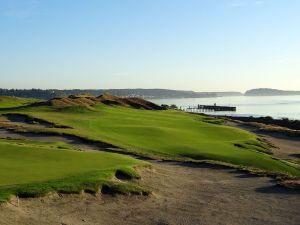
column 165, row 133
column 29, row 168
column 10, row 101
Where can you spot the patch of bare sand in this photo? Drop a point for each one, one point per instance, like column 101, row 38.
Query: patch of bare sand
column 183, row 195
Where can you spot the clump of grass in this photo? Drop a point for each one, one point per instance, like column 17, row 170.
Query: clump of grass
column 127, row 173
column 254, row 145
column 89, row 183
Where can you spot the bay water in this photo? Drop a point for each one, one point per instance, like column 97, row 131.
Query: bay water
column 274, row 106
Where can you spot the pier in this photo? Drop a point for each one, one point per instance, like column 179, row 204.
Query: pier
column 211, row 108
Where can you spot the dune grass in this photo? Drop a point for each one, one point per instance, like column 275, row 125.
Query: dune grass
column 30, row 168
column 171, row 134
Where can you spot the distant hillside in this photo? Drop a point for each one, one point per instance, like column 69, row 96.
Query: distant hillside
column 141, row 93
column 228, row 93
column 269, row 92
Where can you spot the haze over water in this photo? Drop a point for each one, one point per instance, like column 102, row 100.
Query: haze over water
column 275, row 106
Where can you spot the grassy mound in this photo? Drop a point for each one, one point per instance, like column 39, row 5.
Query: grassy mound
column 88, row 102
column 29, row 169
column 136, row 103
column 168, row 134
column 11, row 102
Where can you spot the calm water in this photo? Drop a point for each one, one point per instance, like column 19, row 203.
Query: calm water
column 275, row 106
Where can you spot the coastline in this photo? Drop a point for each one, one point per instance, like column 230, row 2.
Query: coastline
column 276, row 106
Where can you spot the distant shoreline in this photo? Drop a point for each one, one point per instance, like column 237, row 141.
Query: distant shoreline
column 146, row 93
column 277, row 107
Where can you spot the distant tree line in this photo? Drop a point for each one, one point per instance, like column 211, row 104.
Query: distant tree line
column 30, row 93
column 143, row 93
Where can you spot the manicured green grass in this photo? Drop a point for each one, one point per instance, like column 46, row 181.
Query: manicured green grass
column 10, row 102
column 29, row 168
column 171, row 134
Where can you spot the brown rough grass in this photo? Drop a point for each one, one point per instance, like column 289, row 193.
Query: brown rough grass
column 108, row 99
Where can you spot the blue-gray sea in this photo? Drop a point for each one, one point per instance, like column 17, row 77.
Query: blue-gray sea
column 275, row 106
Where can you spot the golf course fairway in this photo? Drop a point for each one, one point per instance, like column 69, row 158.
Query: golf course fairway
column 163, row 133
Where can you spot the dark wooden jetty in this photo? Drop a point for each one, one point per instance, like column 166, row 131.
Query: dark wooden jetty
column 212, row 108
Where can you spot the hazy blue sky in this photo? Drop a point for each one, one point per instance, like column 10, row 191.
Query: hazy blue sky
column 201, row 45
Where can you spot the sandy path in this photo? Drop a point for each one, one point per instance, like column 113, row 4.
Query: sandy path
column 182, row 195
